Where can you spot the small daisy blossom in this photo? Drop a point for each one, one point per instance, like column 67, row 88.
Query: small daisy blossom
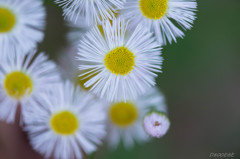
column 23, row 78
column 94, row 11
column 65, row 122
column 156, row 124
column 124, row 63
column 125, row 119
column 160, row 16
column 21, row 25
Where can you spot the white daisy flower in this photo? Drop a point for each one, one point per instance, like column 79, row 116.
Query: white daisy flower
column 94, row 11
column 125, row 123
column 21, row 25
column 66, row 122
column 156, row 124
column 125, row 119
column 122, row 62
column 23, row 78
column 163, row 17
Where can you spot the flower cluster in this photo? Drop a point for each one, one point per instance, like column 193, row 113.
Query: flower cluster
column 102, row 88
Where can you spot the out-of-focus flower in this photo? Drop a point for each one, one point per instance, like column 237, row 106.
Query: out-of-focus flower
column 161, row 16
column 67, row 63
column 68, row 67
column 93, row 11
column 125, row 119
column 65, row 122
column 122, row 64
column 156, row 124
column 22, row 79
column 77, row 30
column 125, row 124
column 21, row 25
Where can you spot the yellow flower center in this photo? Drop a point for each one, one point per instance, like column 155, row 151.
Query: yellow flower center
column 7, row 20
column 17, row 84
column 153, row 9
column 120, row 61
column 64, row 123
column 123, row 114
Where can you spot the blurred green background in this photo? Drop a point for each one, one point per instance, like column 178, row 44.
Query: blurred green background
column 201, row 81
